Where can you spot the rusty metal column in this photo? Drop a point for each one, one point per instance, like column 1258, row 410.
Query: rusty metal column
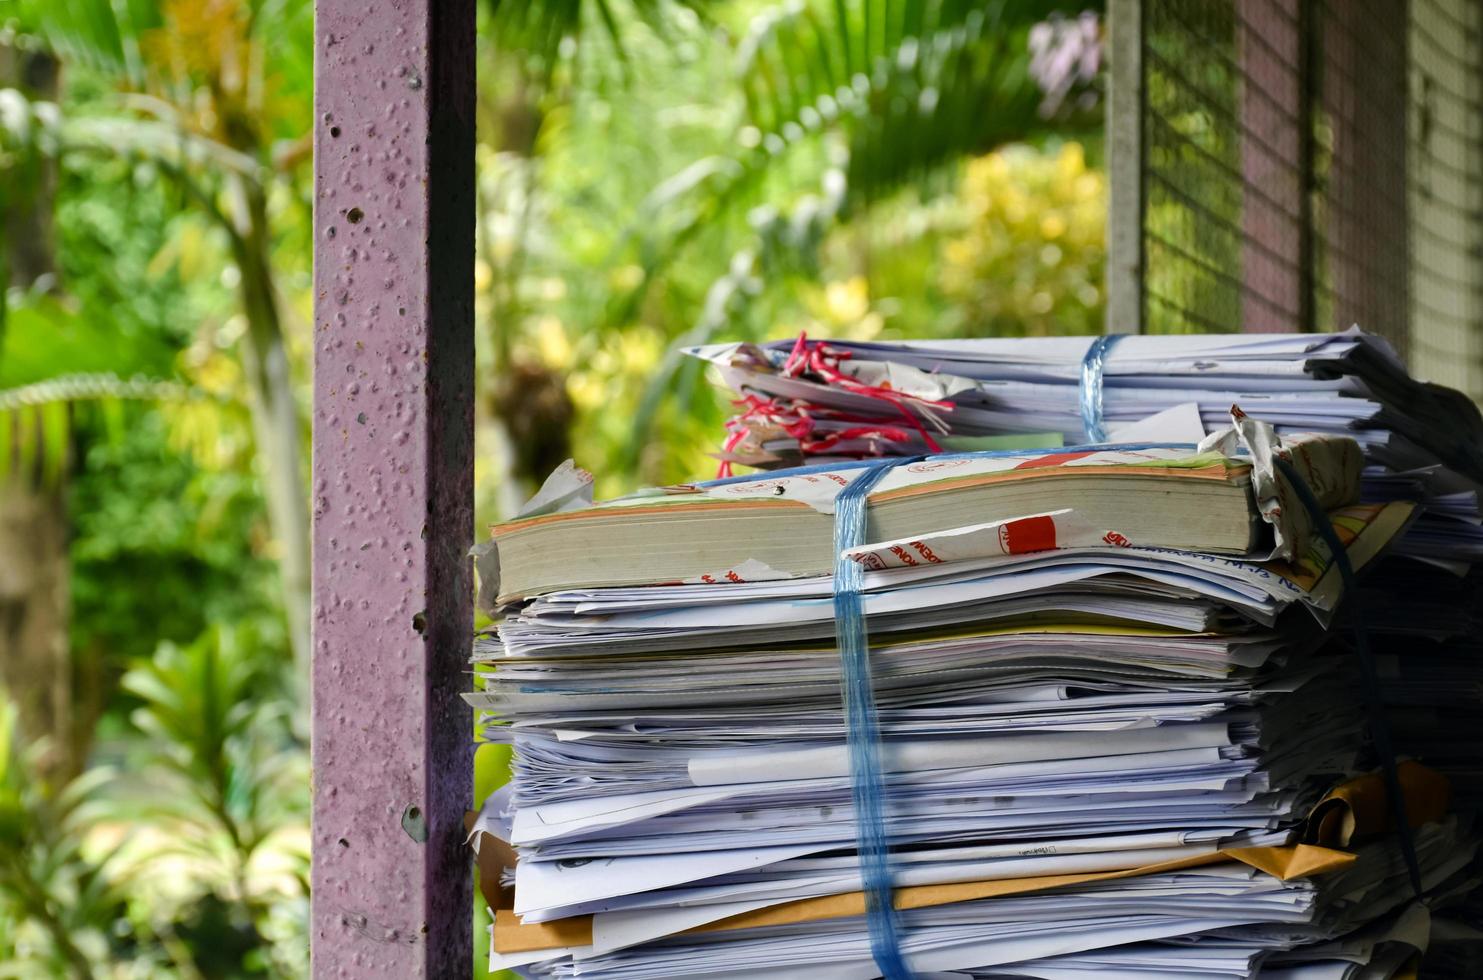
column 1364, row 224
column 392, row 486
column 1125, row 168
column 1275, row 133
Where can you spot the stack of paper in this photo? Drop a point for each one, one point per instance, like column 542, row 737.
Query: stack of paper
column 808, row 401
column 1349, row 383
column 1102, row 757
column 798, row 400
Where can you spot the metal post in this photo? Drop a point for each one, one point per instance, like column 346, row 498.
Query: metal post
column 1446, row 193
column 393, row 485
column 1275, row 134
column 1125, row 167
column 1365, row 226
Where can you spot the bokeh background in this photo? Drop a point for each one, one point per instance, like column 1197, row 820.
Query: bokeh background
column 650, row 174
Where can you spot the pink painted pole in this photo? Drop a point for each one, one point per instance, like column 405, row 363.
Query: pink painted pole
column 1275, row 255
column 1363, row 224
column 393, row 485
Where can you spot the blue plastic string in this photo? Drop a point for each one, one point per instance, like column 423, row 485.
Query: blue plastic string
column 862, row 726
column 863, row 737
column 1091, row 386
column 1369, row 675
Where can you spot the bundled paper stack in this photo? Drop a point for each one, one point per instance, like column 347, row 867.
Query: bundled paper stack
column 807, row 401
column 1101, row 730
column 798, row 395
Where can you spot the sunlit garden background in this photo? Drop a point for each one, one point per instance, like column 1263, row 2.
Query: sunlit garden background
column 651, row 174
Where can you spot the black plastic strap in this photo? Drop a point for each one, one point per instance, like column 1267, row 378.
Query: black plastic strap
column 1369, row 675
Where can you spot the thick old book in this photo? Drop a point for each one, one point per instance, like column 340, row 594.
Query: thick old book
column 781, row 525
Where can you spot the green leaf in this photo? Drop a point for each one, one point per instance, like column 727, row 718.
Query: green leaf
column 28, row 442
column 101, row 34
column 538, row 29
column 55, row 420
column 45, row 338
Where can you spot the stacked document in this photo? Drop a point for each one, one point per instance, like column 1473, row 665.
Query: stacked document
column 1115, row 735
column 811, row 401
column 844, row 398
column 804, row 401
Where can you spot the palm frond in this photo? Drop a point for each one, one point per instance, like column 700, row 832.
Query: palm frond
column 544, row 33
column 907, row 86
column 193, row 162
column 896, row 90
column 54, row 359
column 101, row 34
column 91, row 387
column 37, row 420
column 904, row 88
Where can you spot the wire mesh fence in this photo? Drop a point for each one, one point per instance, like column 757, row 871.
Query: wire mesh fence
column 1445, row 191
column 1308, row 164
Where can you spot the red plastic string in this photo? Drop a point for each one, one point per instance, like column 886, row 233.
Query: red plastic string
column 797, row 357
column 817, row 359
column 797, row 422
column 823, row 362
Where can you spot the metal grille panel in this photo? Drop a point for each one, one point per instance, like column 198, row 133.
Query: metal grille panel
column 1305, row 164
column 1445, row 192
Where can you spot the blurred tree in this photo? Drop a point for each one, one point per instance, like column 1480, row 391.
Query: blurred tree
column 214, row 95
column 34, row 658
column 165, row 496
column 67, row 364
column 748, row 133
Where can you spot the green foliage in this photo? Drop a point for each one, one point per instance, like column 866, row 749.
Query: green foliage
column 218, row 850
column 878, row 95
column 909, row 85
column 246, row 61
column 101, row 36
column 544, row 34
column 148, row 511
column 218, row 780
column 61, row 912
column 895, row 90
column 125, row 369
column 57, row 363
column 221, row 747
column 1029, row 258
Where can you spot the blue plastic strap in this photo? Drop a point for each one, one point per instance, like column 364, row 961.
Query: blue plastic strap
column 1091, row 387
column 1369, row 675
column 862, row 726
